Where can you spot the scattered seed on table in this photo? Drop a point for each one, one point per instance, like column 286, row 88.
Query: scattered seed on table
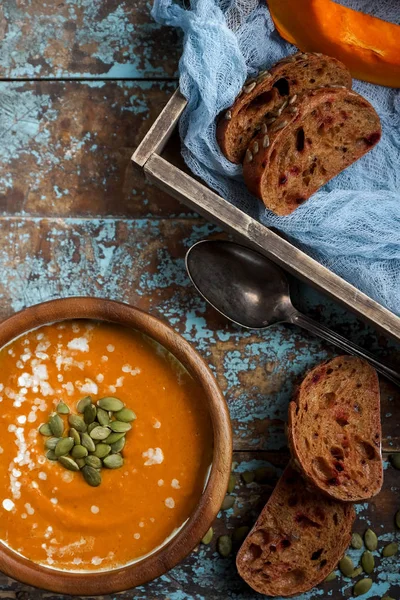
column 248, row 477
column 356, row 541
column 232, row 483
column 370, row 540
column 346, row 566
column 362, row 587
column 368, row 562
column 395, row 460
column 390, row 549
column 228, row 502
column 208, row 536
column 224, row 545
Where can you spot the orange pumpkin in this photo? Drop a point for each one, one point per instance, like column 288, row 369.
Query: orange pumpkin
column 368, row 46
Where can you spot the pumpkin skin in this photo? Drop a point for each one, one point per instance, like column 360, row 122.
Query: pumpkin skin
column 368, row 46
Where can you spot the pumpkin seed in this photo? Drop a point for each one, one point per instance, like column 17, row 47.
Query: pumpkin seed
column 292, row 99
column 264, row 474
column 208, row 536
column 390, row 549
column 368, row 562
column 228, row 115
column 113, row 461
column 395, row 460
column 248, row 477
column 75, row 435
column 331, row 576
column 77, row 423
column 279, row 126
column 62, row 408
column 80, row 462
column 232, row 483
column 397, row 519
column 119, row 426
column 93, row 425
column 293, row 110
column 346, row 566
column 103, row 418
column 51, row 443
column 370, row 540
column 68, row 463
column 240, row 533
column 93, row 461
column 91, row 476
column 224, row 545
column 118, row 446
column 282, row 107
column 110, row 403
column 228, row 502
column 56, row 425
column 357, row 571
column 87, row 442
column 83, row 403
column 44, row 429
column 249, row 88
column 102, row 450
column 90, row 414
column 255, row 148
column 99, row 433
column 64, row 446
column 249, row 157
column 51, row 455
column 113, row 437
column 362, row 587
column 356, row 541
column 264, row 75
column 79, row 451
column 264, row 128
column 266, row 141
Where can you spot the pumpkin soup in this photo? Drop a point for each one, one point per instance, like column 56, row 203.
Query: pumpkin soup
column 105, row 444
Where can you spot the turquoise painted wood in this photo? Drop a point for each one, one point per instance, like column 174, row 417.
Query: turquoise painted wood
column 75, row 219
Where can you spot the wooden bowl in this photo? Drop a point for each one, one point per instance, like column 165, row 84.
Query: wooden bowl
column 108, row 582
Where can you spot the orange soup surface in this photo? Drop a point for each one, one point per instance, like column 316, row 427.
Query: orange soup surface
column 50, row 514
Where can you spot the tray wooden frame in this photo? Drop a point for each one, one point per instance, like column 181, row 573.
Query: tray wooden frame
column 247, row 230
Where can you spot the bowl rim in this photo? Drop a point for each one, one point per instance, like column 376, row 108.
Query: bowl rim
column 190, row 534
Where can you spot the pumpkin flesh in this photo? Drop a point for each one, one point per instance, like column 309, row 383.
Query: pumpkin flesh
column 368, row 46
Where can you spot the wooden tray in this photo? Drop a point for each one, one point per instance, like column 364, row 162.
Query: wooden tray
column 183, row 186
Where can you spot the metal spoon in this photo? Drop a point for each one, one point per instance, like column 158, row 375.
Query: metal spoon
column 250, row 290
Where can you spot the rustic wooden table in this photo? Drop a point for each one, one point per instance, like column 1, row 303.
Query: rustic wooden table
column 81, row 82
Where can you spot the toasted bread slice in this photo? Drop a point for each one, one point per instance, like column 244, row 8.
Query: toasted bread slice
column 297, row 540
column 312, row 141
column 262, row 98
column 335, row 429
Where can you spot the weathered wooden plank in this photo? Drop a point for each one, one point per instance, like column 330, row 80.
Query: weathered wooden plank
column 205, row 575
column 79, row 38
column 66, row 148
column 142, row 262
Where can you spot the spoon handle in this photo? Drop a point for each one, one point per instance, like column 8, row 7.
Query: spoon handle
column 330, row 336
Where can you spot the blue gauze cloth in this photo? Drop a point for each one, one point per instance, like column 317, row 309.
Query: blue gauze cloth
column 352, row 226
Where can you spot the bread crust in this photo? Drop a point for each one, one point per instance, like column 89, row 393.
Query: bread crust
column 297, row 540
column 291, row 75
column 334, row 429
column 310, row 142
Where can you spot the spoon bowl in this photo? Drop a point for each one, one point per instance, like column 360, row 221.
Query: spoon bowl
column 237, row 281
column 250, row 290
